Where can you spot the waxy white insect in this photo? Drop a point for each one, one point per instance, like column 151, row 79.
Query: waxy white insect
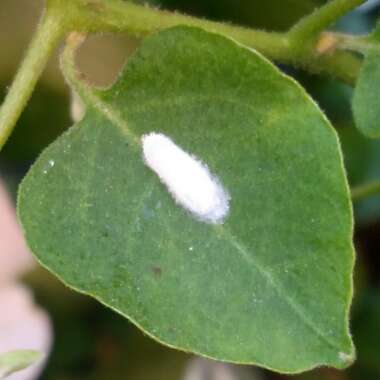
column 187, row 178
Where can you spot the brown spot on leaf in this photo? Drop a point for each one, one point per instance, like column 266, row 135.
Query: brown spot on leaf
column 157, row 271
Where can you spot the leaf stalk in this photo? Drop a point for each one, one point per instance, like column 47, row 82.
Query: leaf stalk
column 313, row 24
column 46, row 38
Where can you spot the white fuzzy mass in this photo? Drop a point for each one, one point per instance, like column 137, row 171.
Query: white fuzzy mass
column 187, row 178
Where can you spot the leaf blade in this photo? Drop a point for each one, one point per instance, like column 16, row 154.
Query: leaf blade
column 169, row 267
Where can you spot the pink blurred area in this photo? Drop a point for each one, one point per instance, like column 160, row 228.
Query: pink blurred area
column 15, row 258
column 23, row 325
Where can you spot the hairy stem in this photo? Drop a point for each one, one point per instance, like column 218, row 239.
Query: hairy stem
column 365, row 191
column 48, row 34
column 118, row 16
column 321, row 18
column 126, row 17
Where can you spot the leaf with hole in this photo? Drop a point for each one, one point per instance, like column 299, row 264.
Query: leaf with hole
column 270, row 283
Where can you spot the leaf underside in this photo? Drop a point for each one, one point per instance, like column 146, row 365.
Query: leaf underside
column 272, row 285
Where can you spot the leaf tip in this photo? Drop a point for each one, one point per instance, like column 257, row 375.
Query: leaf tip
column 346, row 359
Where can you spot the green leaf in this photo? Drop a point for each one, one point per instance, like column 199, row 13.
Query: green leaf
column 17, row 360
column 366, row 105
column 270, row 286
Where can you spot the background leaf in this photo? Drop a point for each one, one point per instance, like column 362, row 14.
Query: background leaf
column 17, row 360
column 272, row 285
column 361, row 155
column 366, row 105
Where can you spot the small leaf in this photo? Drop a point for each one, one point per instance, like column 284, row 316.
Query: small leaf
column 17, row 360
column 366, row 100
column 272, row 284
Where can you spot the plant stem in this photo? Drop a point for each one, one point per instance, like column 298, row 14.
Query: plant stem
column 88, row 94
column 365, row 191
column 321, row 18
column 119, row 16
column 359, row 44
column 125, row 17
column 48, row 33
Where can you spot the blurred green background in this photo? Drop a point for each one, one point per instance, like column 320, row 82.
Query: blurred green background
column 92, row 342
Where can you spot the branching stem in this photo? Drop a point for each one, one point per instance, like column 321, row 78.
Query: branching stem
column 313, row 24
column 126, row 17
column 365, row 191
column 117, row 16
